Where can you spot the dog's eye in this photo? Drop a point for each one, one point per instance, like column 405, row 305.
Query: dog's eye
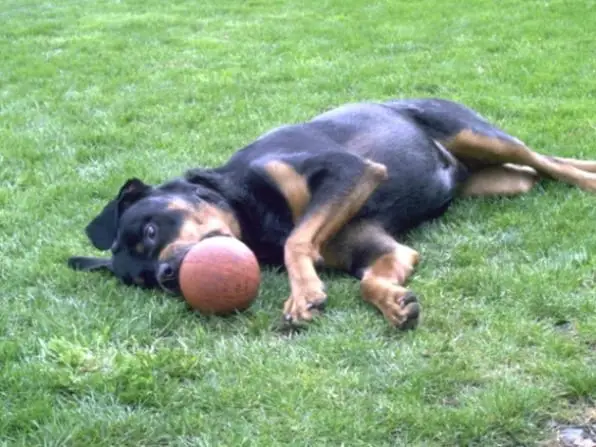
column 150, row 232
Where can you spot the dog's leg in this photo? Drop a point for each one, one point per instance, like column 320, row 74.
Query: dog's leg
column 478, row 143
column 476, row 148
column 383, row 266
column 584, row 165
column 502, row 180
column 382, row 285
column 342, row 184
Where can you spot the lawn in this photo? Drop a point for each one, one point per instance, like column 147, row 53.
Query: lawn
column 92, row 93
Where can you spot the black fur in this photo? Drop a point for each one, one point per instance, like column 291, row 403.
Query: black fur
column 329, row 151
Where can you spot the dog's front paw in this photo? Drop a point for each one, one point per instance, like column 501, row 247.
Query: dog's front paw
column 304, row 305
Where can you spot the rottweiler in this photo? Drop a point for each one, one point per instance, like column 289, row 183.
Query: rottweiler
column 337, row 191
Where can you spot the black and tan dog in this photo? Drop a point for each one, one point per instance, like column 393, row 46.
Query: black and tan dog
column 336, row 191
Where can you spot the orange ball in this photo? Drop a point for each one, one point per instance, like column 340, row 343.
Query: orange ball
column 219, row 275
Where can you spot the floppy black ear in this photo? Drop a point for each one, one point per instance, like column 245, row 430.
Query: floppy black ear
column 212, row 185
column 209, row 178
column 102, row 229
column 88, row 264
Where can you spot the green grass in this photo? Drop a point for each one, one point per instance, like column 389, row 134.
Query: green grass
column 92, row 93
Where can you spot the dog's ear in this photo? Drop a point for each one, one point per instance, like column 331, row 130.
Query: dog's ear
column 102, row 229
column 205, row 177
column 88, row 264
column 212, row 186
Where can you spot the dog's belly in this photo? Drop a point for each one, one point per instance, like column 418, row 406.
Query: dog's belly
column 423, row 176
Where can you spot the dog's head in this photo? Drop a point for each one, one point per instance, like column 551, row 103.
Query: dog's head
column 149, row 229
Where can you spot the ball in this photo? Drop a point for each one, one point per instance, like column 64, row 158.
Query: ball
column 219, row 275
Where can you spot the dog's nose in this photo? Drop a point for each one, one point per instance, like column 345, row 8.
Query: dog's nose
column 165, row 272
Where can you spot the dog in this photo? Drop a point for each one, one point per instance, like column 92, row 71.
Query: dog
column 338, row 191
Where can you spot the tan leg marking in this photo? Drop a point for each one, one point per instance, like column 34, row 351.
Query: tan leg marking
column 505, row 180
column 383, row 265
column 292, row 186
column 303, row 246
column 584, row 165
column 468, row 145
column 382, row 285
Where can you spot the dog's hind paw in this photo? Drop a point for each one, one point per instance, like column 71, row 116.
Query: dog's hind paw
column 410, row 311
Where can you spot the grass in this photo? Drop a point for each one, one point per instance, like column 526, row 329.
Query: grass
column 92, row 93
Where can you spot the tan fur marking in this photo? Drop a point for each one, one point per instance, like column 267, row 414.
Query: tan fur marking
column 473, row 149
column 198, row 222
column 505, row 180
column 182, row 205
column 382, row 282
column 320, row 227
column 584, row 165
column 396, row 266
column 292, row 186
column 206, row 212
column 303, row 246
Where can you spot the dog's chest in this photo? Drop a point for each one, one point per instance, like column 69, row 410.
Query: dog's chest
column 266, row 232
